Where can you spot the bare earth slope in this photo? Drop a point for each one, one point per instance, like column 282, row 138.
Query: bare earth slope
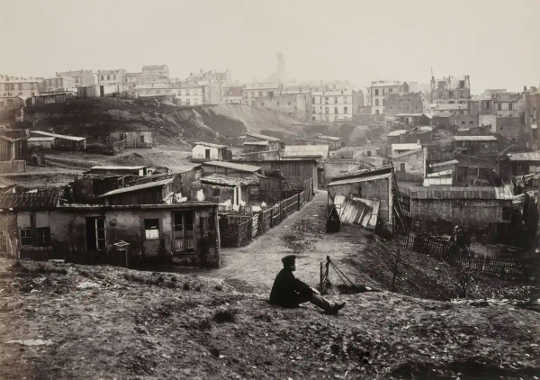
column 70, row 321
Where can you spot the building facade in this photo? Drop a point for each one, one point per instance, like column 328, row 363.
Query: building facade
column 332, row 105
column 380, row 90
column 16, row 86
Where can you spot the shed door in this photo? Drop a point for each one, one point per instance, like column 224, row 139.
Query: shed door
column 95, row 233
column 183, row 231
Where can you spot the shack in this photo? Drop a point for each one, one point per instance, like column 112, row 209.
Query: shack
column 231, row 192
column 485, row 209
column 25, row 222
column 183, row 233
column 301, row 151
column 153, row 192
column 297, row 174
column 64, row 142
column 132, row 139
column 205, row 151
column 224, row 167
column 256, row 142
column 476, row 145
column 136, row 170
column 41, row 143
column 519, row 164
column 364, row 197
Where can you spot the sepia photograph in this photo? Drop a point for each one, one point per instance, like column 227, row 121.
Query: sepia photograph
column 270, row 189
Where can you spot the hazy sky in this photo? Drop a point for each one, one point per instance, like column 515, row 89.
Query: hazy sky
column 496, row 41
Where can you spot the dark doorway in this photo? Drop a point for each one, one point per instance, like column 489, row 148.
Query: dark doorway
column 95, row 233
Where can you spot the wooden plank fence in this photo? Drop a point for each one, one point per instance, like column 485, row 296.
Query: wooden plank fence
column 239, row 230
column 440, row 249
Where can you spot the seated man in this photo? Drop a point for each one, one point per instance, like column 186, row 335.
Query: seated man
column 291, row 292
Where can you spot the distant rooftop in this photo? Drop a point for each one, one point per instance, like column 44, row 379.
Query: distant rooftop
column 262, row 137
column 117, row 167
column 210, row 145
column 525, row 156
column 233, row 165
column 475, row 138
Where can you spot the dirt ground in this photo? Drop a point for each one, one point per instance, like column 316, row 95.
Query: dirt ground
column 64, row 321
column 364, row 258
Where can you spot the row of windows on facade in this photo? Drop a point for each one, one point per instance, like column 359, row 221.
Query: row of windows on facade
column 384, row 91
column 486, row 105
column 327, row 110
column 18, row 86
column 332, row 99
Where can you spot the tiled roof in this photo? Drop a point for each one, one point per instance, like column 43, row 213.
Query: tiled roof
column 30, row 201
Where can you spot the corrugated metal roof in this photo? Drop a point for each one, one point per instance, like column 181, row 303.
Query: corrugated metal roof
column 142, row 186
column 233, row 165
column 475, row 138
column 30, row 201
column 64, row 137
column 525, row 156
column 359, row 179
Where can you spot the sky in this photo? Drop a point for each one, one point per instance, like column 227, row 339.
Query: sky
column 496, row 42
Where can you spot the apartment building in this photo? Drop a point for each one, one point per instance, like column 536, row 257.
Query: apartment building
column 332, row 105
column 17, row 86
column 379, row 90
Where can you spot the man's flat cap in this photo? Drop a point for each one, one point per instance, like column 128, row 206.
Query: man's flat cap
column 288, row 260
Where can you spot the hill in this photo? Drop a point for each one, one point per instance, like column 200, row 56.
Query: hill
column 172, row 125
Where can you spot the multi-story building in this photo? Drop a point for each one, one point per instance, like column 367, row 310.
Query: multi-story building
column 16, row 86
column 112, row 81
column 190, row 95
column 332, row 105
column 451, row 90
column 531, row 116
column 296, row 104
column 82, row 78
column 259, row 90
column 58, row 84
column 232, row 94
column 152, row 74
column 379, row 90
column 411, row 103
column 500, row 103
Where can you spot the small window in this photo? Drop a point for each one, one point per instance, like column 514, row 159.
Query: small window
column 26, row 236
column 151, row 229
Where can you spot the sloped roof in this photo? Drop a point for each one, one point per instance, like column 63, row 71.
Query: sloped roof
column 141, row 186
column 306, row 150
column 359, row 179
column 64, row 137
column 525, row 156
column 210, row 145
column 475, row 138
column 221, row 179
column 455, row 192
column 117, row 167
column 233, row 165
column 406, row 146
column 256, row 143
column 397, row 132
column 262, row 137
column 30, row 201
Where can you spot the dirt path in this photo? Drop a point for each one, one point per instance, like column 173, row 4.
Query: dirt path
column 302, row 233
